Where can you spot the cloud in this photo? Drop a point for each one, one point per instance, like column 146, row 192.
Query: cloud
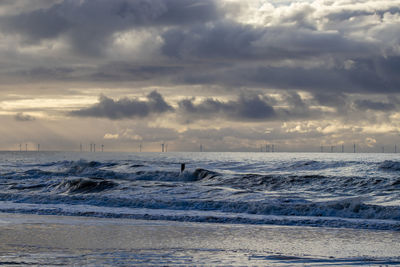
column 111, row 136
column 74, row 20
column 229, row 40
column 246, row 64
column 250, row 107
column 362, row 78
column 23, row 117
column 313, row 46
column 374, row 105
column 125, row 108
column 296, row 47
column 122, row 71
column 370, row 142
column 244, row 108
column 331, row 99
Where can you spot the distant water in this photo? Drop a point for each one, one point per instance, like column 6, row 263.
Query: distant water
column 322, row 190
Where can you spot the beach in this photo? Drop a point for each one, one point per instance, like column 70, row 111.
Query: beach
column 68, row 240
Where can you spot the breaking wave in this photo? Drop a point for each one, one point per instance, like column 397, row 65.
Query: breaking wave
column 85, row 185
column 306, row 192
column 390, row 165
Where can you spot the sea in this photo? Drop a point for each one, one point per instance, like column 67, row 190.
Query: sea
column 337, row 190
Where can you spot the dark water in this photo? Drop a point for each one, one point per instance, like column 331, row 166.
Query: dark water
column 336, row 190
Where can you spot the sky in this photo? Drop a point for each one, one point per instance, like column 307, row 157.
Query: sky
column 231, row 75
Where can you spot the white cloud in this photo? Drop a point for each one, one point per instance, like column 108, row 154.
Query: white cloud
column 111, row 136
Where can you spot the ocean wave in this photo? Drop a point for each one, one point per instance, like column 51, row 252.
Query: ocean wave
column 94, row 169
column 303, row 190
column 389, row 165
column 186, row 176
column 201, row 216
column 316, row 165
column 312, row 182
column 85, row 185
column 81, row 191
column 26, row 187
column 251, row 181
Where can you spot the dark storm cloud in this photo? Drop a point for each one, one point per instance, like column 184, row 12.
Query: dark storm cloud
column 42, row 73
column 374, row 105
column 89, row 25
column 245, row 108
column 110, row 72
column 250, row 108
column 365, row 76
column 121, row 71
column 231, row 41
column 353, row 64
column 297, row 107
column 125, row 108
column 331, row 99
column 328, row 50
column 299, row 51
column 23, row 117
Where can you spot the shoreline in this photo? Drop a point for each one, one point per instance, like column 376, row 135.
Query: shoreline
column 66, row 240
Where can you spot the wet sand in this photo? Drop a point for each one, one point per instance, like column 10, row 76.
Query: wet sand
column 58, row 240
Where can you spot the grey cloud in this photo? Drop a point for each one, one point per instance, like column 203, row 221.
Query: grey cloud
column 297, row 107
column 42, row 73
column 331, row 99
column 254, row 108
column 125, row 108
column 366, row 76
column 248, row 52
column 245, row 49
column 219, row 51
column 229, row 40
column 110, row 72
column 245, row 108
column 90, row 24
column 23, row 117
column 374, row 105
column 121, row 71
